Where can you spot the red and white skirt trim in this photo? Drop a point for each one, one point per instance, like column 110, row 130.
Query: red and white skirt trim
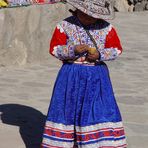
column 102, row 135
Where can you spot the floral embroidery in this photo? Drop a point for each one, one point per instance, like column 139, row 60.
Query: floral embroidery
column 95, row 8
column 109, row 54
column 65, row 52
column 77, row 35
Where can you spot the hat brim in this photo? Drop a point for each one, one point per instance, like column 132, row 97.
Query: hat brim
column 100, row 9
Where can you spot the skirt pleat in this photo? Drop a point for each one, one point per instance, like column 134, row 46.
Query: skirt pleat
column 83, row 110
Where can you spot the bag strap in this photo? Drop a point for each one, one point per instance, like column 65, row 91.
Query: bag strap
column 93, row 40
column 91, row 37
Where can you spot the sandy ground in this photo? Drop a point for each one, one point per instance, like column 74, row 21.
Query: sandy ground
column 25, row 91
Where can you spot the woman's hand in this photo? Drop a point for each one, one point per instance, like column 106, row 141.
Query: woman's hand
column 92, row 57
column 79, row 49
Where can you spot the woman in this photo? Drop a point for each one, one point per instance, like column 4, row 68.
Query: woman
column 83, row 110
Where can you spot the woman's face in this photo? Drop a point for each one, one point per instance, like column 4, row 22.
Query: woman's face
column 85, row 19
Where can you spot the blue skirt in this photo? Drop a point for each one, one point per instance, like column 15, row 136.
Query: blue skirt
column 83, row 110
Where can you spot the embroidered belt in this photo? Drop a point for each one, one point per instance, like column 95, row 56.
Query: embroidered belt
column 84, row 63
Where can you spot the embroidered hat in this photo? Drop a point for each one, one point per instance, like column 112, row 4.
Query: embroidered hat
column 102, row 9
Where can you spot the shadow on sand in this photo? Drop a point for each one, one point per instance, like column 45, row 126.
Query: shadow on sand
column 30, row 121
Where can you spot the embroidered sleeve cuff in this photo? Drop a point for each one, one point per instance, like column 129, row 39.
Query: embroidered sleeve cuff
column 64, row 52
column 109, row 54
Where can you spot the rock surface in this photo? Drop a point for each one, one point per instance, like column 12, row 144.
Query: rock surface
column 130, row 5
column 121, row 5
column 25, row 33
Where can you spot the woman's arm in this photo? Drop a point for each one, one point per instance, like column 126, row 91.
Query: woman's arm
column 60, row 47
column 112, row 48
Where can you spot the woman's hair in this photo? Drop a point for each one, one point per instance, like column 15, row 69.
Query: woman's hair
column 73, row 12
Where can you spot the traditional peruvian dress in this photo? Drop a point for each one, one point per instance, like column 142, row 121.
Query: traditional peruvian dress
column 83, row 110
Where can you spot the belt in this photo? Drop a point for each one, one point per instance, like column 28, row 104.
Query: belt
column 84, row 63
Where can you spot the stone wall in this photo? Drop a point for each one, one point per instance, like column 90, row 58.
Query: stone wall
column 25, row 33
column 130, row 5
